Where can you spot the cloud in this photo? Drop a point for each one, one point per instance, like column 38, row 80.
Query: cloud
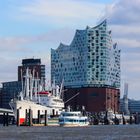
column 14, row 49
column 128, row 45
column 65, row 12
column 18, row 43
column 62, row 9
column 11, row 43
column 123, row 18
column 129, row 31
column 123, row 12
column 8, row 69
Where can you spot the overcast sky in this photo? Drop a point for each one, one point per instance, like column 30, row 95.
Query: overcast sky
column 29, row 28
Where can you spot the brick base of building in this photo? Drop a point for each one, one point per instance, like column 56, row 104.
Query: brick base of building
column 95, row 99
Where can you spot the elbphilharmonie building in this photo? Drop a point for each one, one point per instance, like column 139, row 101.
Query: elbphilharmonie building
column 90, row 64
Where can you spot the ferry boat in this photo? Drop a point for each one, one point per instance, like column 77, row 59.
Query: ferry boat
column 72, row 119
column 35, row 100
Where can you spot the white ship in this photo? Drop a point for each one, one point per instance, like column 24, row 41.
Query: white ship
column 72, row 119
column 34, row 99
column 52, row 99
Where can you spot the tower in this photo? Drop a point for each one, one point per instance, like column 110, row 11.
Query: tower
column 125, row 99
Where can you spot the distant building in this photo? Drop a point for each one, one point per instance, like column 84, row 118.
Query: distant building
column 91, row 65
column 91, row 59
column 1, row 97
column 133, row 106
column 125, row 100
column 9, row 91
column 32, row 64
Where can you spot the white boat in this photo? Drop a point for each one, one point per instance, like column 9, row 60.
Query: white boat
column 35, row 100
column 52, row 98
column 120, row 117
column 25, row 105
column 72, row 119
column 55, row 103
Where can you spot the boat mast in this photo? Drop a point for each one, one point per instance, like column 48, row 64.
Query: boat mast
column 31, row 85
column 35, row 90
column 27, row 84
column 53, row 87
column 61, row 89
column 38, row 89
column 33, row 82
column 22, row 90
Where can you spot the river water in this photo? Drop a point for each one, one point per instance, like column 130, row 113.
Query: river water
column 100, row 132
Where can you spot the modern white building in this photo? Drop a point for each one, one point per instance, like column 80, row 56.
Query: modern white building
column 91, row 60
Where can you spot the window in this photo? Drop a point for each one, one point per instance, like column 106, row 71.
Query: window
column 94, row 94
column 97, row 31
column 101, row 38
column 89, row 66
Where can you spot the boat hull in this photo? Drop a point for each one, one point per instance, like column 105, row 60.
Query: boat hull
column 23, row 107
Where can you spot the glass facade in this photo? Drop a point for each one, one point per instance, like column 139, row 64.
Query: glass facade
column 90, row 60
column 10, row 91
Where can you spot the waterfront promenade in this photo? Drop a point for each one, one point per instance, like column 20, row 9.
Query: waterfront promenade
column 95, row 132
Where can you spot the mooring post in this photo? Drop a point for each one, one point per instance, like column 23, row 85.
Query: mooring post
column 38, row 117
column 130, row 119
column 26, row 117
column 3, row 119
column 18, row 121
column 7, row 119
column 53, row 111
column 123, row 119
column 30, row 117
column 136, row 118
column 46, row 118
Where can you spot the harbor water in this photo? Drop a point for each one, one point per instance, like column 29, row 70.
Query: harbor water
column 94, row 132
